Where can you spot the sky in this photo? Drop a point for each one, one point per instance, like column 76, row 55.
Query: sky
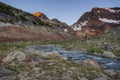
column 68, row 11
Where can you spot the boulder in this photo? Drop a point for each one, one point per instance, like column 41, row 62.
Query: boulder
column 110, row 72
column 91, row 63
column 83, row 78
column 108, row 54
column 101, row 78
column 52, row 55
column 16, row 55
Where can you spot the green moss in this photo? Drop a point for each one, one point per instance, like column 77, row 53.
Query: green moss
column 117, row 52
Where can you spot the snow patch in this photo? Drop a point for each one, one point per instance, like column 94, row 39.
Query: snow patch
column 109, row 20
column 65, row 30
column 113, row 11
column 84, row 23
column 98, row 11
column 78, row 27
column 75, row 28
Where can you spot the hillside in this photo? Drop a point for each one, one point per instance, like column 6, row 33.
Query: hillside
column 15, row 16
column 97, row 22
column 16, row 24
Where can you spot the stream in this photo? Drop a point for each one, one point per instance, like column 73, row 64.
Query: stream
column 78, row 56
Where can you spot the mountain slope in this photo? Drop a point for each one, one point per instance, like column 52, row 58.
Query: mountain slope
column 15, row 16
column 16, row 24
column 97, row 22
column 55, row 23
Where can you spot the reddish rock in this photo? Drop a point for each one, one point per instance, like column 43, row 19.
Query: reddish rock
column 98, row 21
column 40, row 15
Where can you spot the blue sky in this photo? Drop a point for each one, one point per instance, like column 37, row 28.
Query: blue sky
column 68, row 11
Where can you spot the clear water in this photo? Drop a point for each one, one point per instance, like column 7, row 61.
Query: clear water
column 79, row 56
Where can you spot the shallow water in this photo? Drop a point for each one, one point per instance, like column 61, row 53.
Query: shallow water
column 80, row 56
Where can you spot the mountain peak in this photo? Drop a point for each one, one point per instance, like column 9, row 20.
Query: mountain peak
column 114, row 9
column 38, row 14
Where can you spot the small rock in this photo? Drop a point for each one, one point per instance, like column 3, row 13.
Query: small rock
column 66, row 76
column 91, row 63
column 83, row 78
column 48, row 78
column 15, row 55
column 110, row 72
column 107, row 47
column 53, row 55
column 108, row 54
column 101, row 78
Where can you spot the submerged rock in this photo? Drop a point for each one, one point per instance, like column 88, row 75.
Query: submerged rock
column 15, row 55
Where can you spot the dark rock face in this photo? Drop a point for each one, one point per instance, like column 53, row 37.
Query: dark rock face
column 98, row 21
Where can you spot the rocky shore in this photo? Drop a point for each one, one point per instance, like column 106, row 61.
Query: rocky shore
column 29, row 64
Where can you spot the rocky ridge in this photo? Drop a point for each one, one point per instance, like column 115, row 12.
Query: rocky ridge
column 55, row 23
column 16, row 24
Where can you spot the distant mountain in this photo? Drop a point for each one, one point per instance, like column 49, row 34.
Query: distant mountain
column 97, row 22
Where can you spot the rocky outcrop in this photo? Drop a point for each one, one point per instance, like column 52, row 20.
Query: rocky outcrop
column 9, row 14
column 98, row 21
column 40, row 15
column 109, row 54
